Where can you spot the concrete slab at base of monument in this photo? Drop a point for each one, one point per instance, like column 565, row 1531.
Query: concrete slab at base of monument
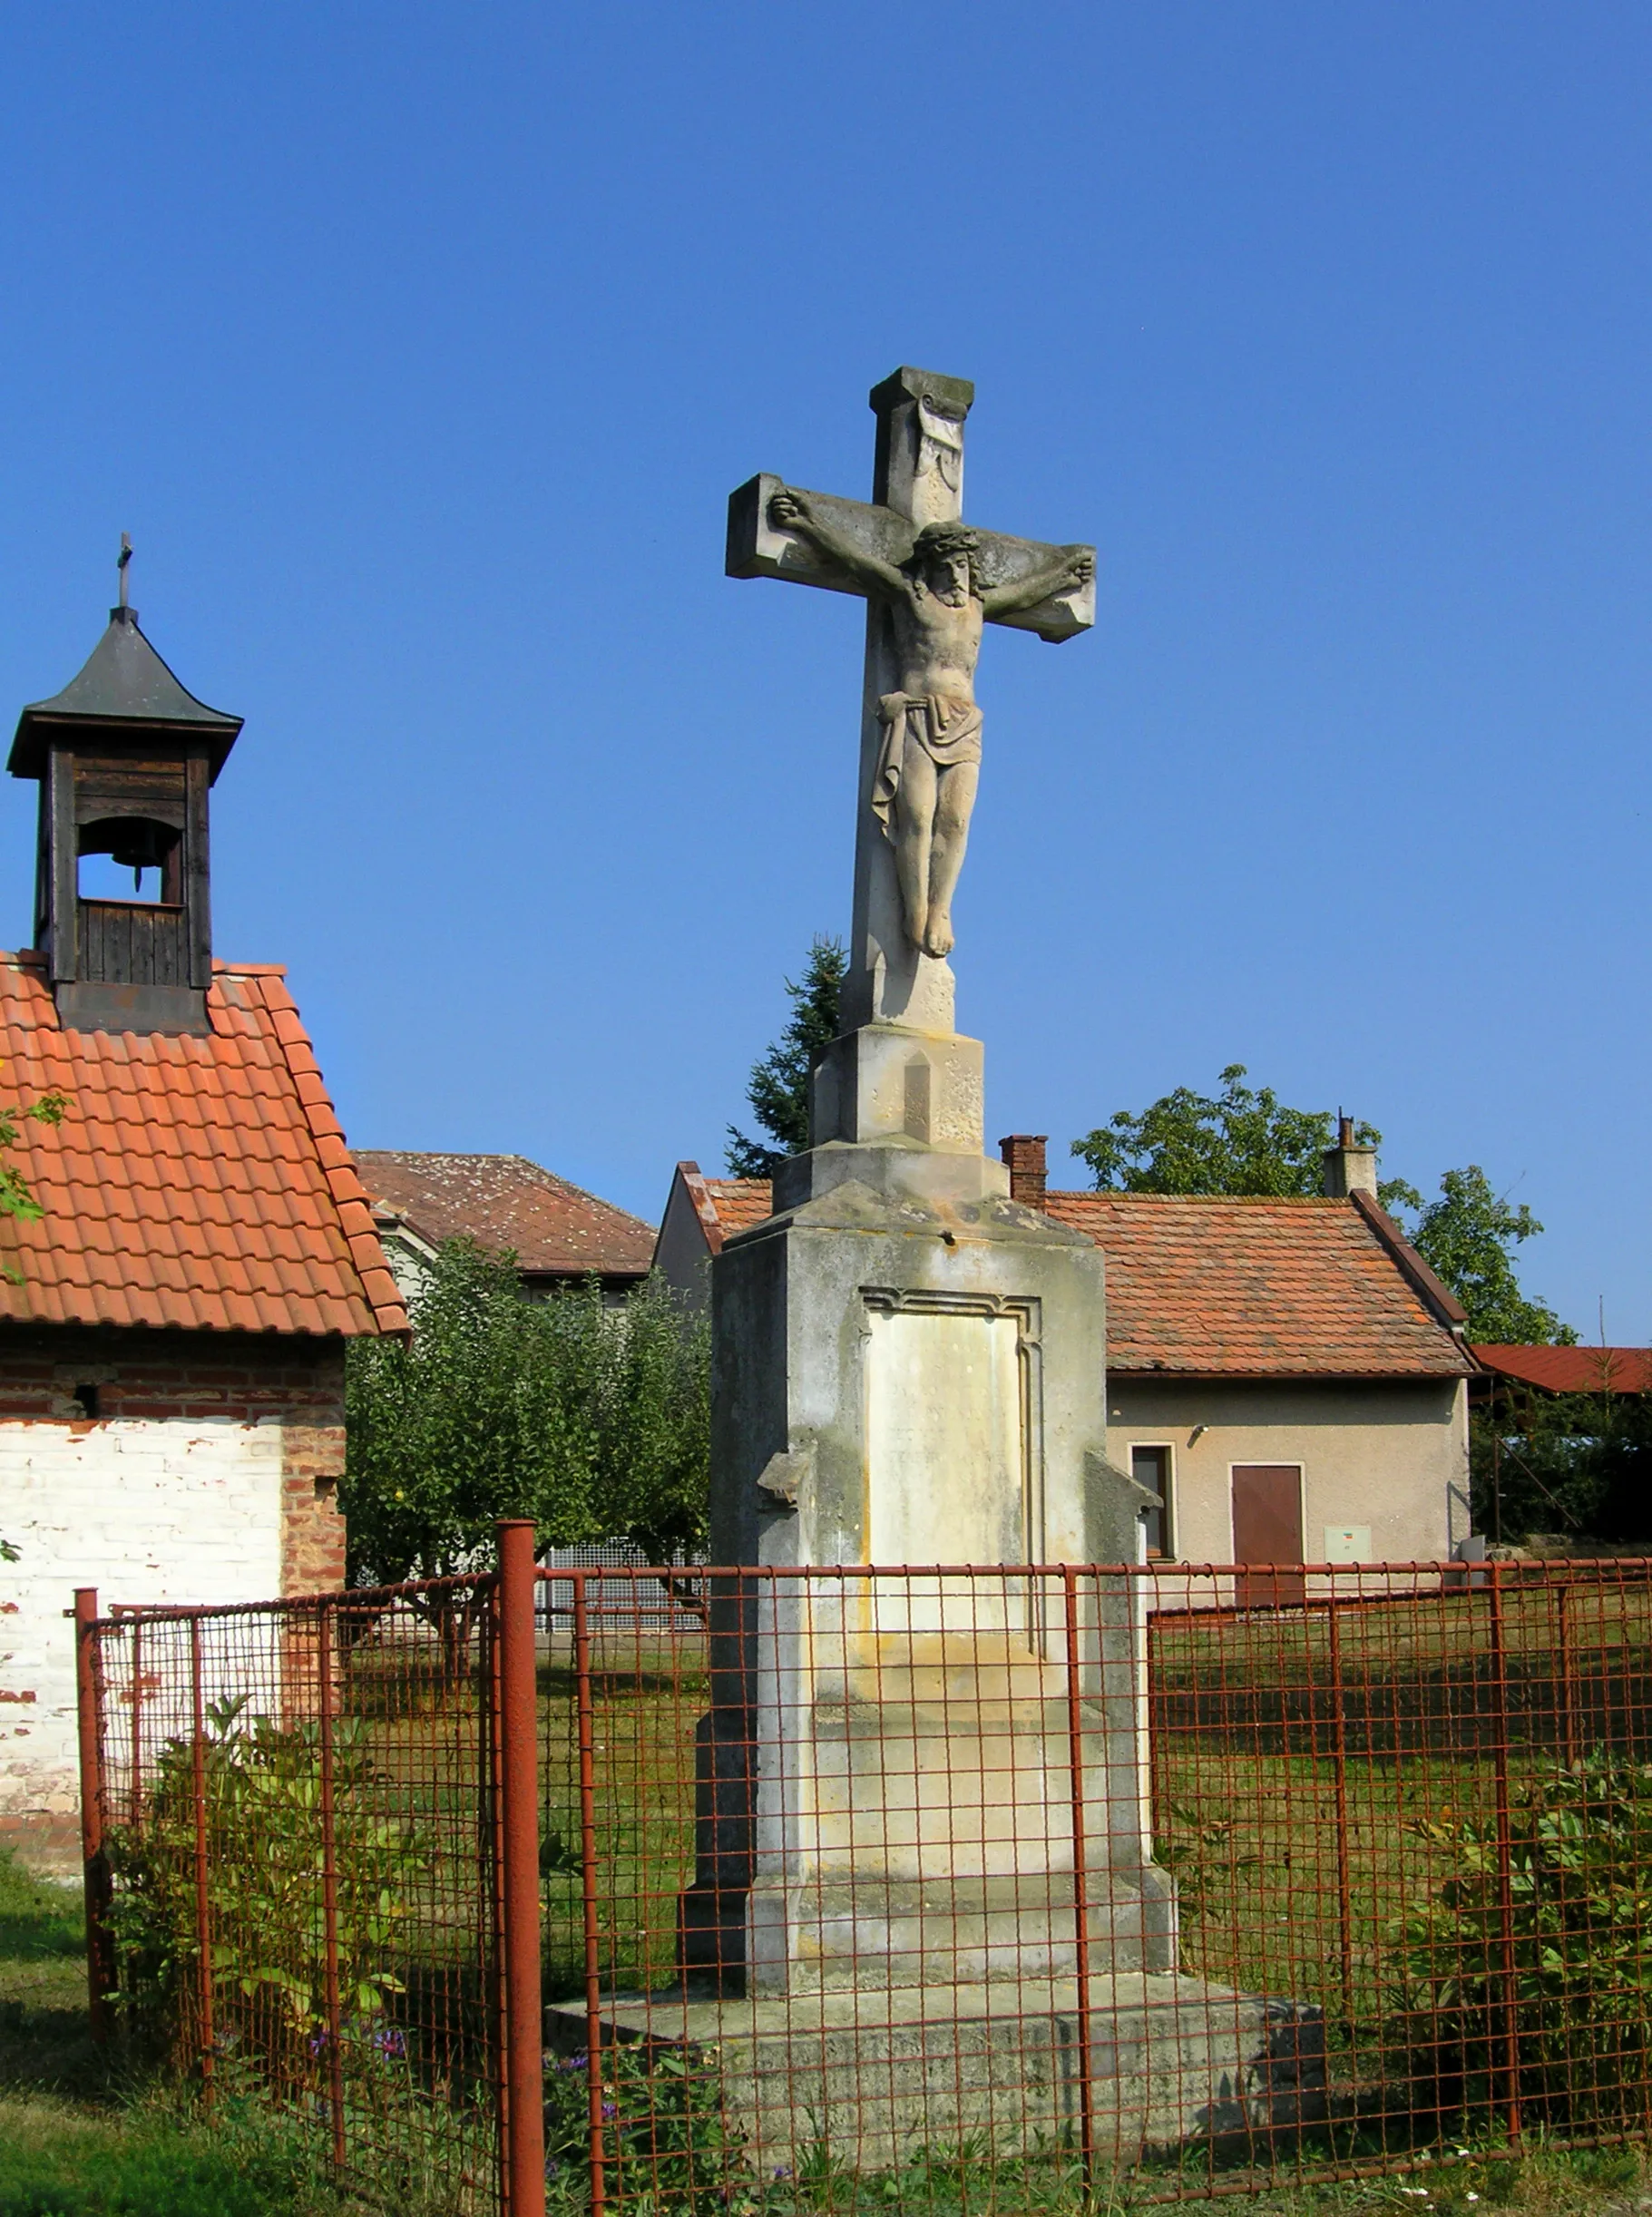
column 872, row 2079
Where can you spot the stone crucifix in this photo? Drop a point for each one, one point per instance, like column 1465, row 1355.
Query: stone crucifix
column 931, row 583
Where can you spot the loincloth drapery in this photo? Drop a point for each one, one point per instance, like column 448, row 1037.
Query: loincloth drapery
column 947, row 730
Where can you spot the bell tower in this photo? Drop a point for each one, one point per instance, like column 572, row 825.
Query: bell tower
column 124, row 757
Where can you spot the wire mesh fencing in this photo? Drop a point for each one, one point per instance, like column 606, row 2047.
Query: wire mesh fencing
column 838, row 1888
column 297, row 1864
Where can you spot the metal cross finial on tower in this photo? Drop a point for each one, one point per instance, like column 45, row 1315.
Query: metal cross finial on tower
column 123, row 561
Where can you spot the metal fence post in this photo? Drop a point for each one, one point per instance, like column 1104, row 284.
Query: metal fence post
column 519, row 1796
column 1505, row 1852
column 134, row 1790
column 1339, row 1773
column 588, row 1887
column 203, row 1900
column 95, row 1863
column 330, row 1885
column 1081, row 1873
column 491, row 1753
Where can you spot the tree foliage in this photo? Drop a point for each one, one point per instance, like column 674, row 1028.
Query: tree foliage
column 1244, row 1140
column 1468, row 1238
column 1574, row 1464
column 16, row 1198
column 1241, row 1141
column 778, row 1089
column 591, row 1420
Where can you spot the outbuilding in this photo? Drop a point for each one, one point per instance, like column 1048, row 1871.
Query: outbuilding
column 173, row 1326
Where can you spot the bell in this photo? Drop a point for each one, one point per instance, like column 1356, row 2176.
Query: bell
column 139, row 845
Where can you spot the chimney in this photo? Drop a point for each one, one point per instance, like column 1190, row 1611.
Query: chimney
column 1349, row 1168
column 1023, row 1151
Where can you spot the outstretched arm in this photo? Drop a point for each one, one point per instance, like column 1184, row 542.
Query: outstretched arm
column 1072, row 567
column 790, row 511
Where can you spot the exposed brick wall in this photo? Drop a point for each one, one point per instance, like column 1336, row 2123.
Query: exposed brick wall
column 164, row 1374
column 312, row 1531
column 208, row 1473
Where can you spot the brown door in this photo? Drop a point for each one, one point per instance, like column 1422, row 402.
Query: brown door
column 1267, row 1528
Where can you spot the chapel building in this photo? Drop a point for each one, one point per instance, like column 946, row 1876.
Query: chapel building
column 173, row 1327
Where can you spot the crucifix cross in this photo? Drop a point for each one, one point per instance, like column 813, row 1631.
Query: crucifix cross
column 929, row 583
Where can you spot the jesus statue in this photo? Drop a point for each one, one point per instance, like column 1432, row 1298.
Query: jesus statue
column 923, row 787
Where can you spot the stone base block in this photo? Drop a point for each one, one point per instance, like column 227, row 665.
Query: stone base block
column 874, row 2078
column 955, row 1931
column 897, row 1171
column 886, row 1081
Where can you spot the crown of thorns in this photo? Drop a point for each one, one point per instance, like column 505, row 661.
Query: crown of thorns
column 940, row 542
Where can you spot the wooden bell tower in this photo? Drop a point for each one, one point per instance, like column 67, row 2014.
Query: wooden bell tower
column 125, row 758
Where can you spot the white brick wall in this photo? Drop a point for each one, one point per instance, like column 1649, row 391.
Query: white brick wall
column 180, row 1509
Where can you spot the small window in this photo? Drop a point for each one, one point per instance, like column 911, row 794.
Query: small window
column 87, row 1397
column 1151, row 1467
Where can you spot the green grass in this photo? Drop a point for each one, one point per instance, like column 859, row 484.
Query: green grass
column 80, row 2137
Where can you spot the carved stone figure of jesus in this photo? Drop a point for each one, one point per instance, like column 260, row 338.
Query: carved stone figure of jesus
column 923, row 788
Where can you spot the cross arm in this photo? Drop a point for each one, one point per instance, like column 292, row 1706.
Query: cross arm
column 759, row 547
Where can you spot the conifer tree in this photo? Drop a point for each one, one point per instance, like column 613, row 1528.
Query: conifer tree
column 778, row 1089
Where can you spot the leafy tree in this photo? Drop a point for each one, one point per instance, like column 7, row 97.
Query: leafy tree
column 1240, row 1142
column 1468, row 1238
column 590, row 1420
column 778, row 1090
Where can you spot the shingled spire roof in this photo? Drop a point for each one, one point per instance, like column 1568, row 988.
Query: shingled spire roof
column 124, row 682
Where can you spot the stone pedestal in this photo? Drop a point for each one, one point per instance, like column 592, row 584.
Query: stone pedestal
column 919, row 1790
column 889, row 1890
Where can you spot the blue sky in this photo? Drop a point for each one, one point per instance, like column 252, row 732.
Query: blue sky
column 419, row 347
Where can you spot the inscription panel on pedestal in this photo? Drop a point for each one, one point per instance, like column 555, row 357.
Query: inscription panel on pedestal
column 952, row 1454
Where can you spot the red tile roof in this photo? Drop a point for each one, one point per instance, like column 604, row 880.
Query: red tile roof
column 1212, row 1287
column 739, row 1202
column 1572, row 1370
column 556, row 1229
column 199, row 1183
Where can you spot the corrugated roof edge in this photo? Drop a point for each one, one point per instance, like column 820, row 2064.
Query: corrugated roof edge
column 350, row 1197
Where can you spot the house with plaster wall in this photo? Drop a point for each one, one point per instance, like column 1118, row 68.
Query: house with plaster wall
column 173, row 1327
column 1288, row 1376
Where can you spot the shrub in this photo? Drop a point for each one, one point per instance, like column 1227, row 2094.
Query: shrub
column 1580, row 1887
column 262, row 1795
column 671, row 2151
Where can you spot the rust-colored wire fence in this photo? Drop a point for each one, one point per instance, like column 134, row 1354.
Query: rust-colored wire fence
column 689, row 1890
column 297, row 1868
